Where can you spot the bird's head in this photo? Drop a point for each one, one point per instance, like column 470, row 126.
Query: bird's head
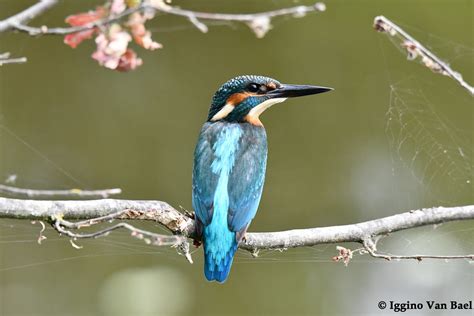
column 244, row 98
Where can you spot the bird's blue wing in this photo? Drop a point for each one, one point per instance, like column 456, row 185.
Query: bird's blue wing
column 204, row 180
column 247, row 178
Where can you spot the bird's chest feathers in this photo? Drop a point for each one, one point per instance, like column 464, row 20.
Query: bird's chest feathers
column 225, row 149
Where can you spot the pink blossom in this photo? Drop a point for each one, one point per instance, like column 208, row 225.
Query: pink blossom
column 117, row 7
column 140, row 34
column 111, row 46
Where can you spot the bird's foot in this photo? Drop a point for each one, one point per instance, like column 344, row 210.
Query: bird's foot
column 197, row 243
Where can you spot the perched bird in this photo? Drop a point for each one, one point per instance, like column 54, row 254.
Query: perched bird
column 229, row 165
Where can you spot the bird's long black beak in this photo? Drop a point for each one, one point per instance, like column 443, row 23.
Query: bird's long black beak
column 293, row 90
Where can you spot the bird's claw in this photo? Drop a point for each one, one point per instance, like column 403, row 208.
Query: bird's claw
column 187, row 213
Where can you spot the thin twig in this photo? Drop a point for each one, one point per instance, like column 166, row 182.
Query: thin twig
column 98, row 220
column 41, row 237
column 20, row 60
column 297, row 11
column 414, row 49
column 60, row 225
column 26, row 15
column 51, row 194
column 418, row 257
column 5, row 59
column 370, row 247
column 74, row 29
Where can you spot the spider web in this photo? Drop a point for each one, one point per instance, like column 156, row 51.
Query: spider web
column 437, row 153
column 422, row 135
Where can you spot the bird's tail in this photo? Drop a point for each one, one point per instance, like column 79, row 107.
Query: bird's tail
column 218, row 255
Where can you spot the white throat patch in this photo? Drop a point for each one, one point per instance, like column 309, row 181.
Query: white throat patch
column 256, row 111
column 226, row 109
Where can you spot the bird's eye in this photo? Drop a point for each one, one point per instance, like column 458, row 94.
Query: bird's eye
column 253, row 87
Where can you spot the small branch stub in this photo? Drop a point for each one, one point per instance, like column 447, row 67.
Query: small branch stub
column 5, row 59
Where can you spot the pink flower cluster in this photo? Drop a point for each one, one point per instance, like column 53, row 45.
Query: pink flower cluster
column 113, row 39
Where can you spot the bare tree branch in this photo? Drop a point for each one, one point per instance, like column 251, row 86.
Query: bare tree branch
column 26, row 15
column 99, row 211
column 74, row 29
column 56, row 194
column 158, row 211
column 258, row 22
column 415, row 49
column 359, row 232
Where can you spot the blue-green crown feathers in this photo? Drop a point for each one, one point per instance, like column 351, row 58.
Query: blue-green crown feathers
column 236, row 85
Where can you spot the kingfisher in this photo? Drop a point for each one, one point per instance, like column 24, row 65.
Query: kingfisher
column 230, row 162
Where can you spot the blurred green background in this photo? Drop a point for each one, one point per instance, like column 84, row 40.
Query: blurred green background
column 392, row 136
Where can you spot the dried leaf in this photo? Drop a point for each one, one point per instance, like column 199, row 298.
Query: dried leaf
column 412, row 50
column 140, row 34
column 345, row 255
column 81, row 19
column 129, row 61
column 75, row 39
